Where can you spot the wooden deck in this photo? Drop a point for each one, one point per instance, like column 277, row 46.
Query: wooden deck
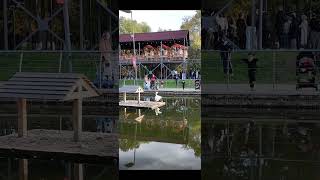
column 54, row 144
column 143, row 104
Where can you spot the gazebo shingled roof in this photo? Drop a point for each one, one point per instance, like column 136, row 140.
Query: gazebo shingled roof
column 47, row 86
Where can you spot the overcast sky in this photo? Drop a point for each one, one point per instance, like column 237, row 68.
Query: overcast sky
column 163, row 19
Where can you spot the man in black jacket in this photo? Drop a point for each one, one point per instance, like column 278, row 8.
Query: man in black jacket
column 252, row 69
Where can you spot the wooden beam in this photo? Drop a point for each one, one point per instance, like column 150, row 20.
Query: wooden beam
column 67, row 45
column 77, row 116
column 5, row 24
column 78, row 95
column 22, row 117
column 108, row 10
column 23, row 169
column 78, row 171
column 81, row 25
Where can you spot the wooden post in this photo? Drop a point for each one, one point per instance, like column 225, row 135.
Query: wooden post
column 78, row 171
column 5, row 24
column 77, row 115
column 260, row 23
column 77, row 118
column 81, row 24
column 124, row 96
column 139, row 97
column 9, row 168
column 22, row 117
column 20, row 64
column 66, row 26
column 23, row 169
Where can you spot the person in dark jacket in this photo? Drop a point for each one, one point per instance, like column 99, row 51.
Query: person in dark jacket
column 241, row 31
column 225, row 53
column 252, row 69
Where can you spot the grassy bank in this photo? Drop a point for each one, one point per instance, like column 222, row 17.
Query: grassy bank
column 85, row 63
column 284, row 63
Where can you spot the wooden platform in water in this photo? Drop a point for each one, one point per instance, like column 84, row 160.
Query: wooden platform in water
column 51, row 144
column 142, row 104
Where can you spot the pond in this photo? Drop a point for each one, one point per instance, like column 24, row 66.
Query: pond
column 13, row 168
column 165, row 139
column 56, row 117
column 261, row 144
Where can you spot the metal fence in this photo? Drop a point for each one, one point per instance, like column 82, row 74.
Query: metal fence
column 276, row 69
column 88, row 63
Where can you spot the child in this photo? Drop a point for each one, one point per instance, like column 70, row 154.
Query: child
column 153, row 81
column 252, row 68
column 146, row 83
column 183, row 84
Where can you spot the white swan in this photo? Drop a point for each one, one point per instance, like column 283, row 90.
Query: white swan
column 157, row 97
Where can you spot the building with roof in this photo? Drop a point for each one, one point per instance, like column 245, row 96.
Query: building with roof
column 157, row 52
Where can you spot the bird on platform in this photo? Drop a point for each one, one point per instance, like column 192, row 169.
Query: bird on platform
column 157, row 98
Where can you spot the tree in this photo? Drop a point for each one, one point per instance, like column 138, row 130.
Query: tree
column 162, row 30
column 193, row 24
column 127, row 25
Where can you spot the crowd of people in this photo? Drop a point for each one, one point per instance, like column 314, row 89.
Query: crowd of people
column 151, row 53
column 150, row 82
column 285, row 30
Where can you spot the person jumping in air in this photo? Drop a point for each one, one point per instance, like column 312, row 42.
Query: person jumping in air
column 252, row 69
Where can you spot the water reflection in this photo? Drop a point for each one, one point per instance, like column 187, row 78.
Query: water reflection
column 95, row 119
column 24, row 169
column 261, row 147
column 166, row 139
column 157, row 111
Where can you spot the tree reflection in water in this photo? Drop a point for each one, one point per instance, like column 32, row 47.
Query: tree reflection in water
column 260, row 148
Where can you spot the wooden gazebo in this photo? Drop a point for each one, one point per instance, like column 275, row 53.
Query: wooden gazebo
column 48, row 86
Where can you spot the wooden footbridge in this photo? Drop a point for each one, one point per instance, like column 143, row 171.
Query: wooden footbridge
column 137, row 103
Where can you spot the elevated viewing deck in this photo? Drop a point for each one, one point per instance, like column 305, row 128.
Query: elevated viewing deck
column 126, row 61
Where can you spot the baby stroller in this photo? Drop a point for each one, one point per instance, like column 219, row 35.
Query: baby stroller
column 306, row 71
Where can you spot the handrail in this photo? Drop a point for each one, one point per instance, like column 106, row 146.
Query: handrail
column 263, row 50
column 55, row 51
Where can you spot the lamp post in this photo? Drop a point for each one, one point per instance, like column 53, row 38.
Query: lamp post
column 134, row 48
column 133, row 41
column 131, row 164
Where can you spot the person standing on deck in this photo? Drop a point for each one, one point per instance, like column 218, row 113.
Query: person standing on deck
column 252, row 69
column 183, row 80
column 146, row 83
column 153, row 81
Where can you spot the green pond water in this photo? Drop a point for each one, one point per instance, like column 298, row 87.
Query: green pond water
column 55, row 117
column 261, row 144
column 161, row 141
